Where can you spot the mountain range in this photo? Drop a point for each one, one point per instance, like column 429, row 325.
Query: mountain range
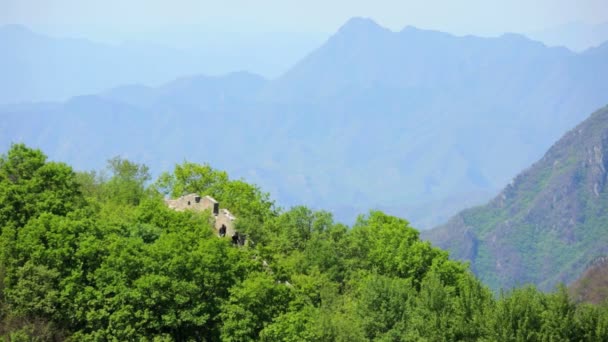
column 547, row 225
column 418, row 123
column 577, row 36
column 37, row 67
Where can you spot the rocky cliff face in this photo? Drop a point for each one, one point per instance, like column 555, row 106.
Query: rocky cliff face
column 548, row 223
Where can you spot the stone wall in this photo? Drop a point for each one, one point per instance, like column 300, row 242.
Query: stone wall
column 197, row 203
column 194, row 202
column 226, row 218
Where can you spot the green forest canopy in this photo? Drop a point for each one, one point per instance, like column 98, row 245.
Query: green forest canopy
column 87, row 257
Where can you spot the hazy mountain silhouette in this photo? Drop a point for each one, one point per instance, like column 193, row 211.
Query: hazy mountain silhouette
column 372, row 118
column 576, row 36
column 37, row 67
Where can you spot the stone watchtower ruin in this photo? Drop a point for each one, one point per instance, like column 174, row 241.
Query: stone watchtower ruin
column 222, row 217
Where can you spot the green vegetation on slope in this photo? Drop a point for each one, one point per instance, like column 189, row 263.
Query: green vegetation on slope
column 91, row 258
column 548, row 224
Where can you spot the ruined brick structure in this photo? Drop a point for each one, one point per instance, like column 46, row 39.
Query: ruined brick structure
column 197, row 203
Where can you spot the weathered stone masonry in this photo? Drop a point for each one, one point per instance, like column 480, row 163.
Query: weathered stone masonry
column 197, row 203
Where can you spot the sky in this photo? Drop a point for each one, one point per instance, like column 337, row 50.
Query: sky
column 116, row 20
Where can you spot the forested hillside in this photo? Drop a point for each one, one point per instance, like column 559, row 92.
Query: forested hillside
column 89, row 256
column 548, row 224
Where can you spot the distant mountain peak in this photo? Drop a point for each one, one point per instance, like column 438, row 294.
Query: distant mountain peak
column 514, row 36
column 410, row 28
column 522, row 40
column 358, row 25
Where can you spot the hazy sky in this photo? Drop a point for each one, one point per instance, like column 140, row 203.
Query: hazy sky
column 116, row 19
